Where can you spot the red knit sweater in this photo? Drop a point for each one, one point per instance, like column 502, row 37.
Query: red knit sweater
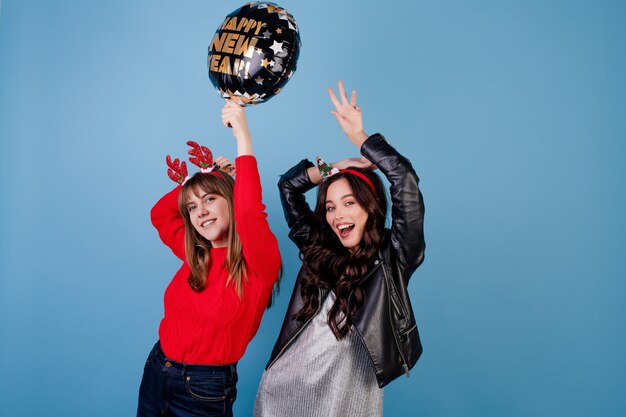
column 214, row 326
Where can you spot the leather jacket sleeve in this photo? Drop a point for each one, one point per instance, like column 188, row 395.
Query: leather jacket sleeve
column 292, row 186
column 385, row 323
column 407, row 206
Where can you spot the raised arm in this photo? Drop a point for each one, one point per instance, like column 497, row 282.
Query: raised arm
column 292, row 186
column 260, row 247
column 166, row 218
column 407, row 206
column 407, row 211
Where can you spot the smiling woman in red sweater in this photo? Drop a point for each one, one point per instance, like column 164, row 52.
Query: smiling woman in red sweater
column 214, row 303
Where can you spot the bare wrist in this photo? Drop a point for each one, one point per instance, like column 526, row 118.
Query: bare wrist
column 358, row 138
column 314, row 175
column 244, row 146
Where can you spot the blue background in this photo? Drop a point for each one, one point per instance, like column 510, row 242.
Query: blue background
column 513, row 114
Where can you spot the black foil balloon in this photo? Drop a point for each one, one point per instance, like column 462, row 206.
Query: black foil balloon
column 254, row 53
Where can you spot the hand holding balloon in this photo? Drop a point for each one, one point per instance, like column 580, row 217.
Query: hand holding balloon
column 234, row 116
column 348, row 115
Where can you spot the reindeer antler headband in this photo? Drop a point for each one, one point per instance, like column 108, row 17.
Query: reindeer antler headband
column 201, row 156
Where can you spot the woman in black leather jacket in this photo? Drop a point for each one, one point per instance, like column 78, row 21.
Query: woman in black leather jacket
column 349, row 329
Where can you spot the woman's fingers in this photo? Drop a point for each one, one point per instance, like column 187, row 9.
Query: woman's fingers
column 342, row 93
column 353, row 99
column 232, row 104
column 225, row 165
column 231, row 113
column 354, row 162
column 222, row 161
column 333, row 98
column 226, row 120
column 342, row 105
column 336, row 114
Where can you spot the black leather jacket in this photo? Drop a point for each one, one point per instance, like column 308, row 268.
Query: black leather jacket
column 385, row 322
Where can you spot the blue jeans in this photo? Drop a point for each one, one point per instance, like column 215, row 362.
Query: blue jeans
column 175, row 389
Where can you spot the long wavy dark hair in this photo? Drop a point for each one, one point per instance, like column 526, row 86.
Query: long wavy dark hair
column 330, row 265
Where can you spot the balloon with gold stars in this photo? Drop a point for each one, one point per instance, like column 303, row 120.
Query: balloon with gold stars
column 254, row 53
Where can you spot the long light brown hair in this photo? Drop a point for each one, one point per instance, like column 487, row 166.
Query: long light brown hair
column 197, row 248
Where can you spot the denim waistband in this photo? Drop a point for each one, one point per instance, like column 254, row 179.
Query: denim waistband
column 168, row 365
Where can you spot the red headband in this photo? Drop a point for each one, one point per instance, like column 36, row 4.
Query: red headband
column 362, row 176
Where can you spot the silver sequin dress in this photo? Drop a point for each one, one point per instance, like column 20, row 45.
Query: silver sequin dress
column 319, row 376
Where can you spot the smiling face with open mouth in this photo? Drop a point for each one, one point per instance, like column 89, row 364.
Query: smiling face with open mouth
column 210, row 216
column 344, row 214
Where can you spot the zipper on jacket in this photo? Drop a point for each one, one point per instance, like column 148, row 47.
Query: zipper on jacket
column 405, row 366
column 393, row 292
column 409, row 330
column 396, row 307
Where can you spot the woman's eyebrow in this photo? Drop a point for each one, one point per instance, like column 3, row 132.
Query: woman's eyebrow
column 341, row 198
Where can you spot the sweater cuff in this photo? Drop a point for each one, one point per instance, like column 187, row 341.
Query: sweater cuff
column 246, row 161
